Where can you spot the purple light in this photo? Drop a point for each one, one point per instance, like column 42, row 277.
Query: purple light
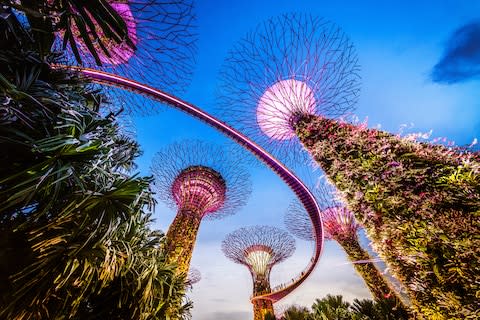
column 280, row 103
column 259, row 248
column 339, row 223
column 199, row 189
column 289, row 66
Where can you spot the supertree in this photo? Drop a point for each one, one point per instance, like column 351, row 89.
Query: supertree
column 259, row 248
column 143, row 39
column 340, row 225
column 418, row 202
column 288, row 67
column 200, row 180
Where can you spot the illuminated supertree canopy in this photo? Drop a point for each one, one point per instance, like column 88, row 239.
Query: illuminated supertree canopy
column 339, row 225
column 338, row 222
column 289, row 66
column 259, row 248
column 200, row 180
column 159, row 42
column 193, row 173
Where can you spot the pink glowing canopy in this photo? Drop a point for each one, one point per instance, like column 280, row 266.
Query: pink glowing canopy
column 199, row 189
column 121, row 52
column 258, row 247
column 339, row 222
column 279, row 103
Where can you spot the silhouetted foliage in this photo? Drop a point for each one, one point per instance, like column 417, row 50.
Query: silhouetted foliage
column 259, row 248
column 75, row 239
column 297, row 313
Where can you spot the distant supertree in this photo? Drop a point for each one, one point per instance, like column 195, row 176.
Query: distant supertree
column 194, row 276
column 290, row 66
column 200, row 180
column 339, row 225
column 259, row 248
column 158, row 47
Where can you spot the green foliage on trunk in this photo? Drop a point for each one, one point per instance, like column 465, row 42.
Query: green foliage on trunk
column 75, row 240
column 376, row 283
column 419, row 204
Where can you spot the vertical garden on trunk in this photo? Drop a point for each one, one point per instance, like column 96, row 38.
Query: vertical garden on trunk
column 419, row 204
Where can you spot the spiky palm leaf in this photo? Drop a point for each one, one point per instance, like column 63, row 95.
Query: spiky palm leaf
column 297, row 313
column 91, row 18
column 331, row 308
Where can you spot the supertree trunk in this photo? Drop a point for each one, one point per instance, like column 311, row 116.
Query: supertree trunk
column 374, row 280
column 259, row 248
column 261, row 307
column 181, row 237
column 419, row 204
column 261, row 285
column 202, row 181
column 340, row 225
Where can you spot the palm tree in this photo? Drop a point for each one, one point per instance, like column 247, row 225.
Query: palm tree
column 335, row 308
column 136, row 297
column 385, row 309
column 331, row 308
column 74, row 231
column 297, row 313
column 365, row 309
column 144, row 40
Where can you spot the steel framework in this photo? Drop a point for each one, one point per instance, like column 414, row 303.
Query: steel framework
column 160, row 43
column 201, row 177
column 199, row 180
column 287, row 67
column 338, row 222
column 259, row 248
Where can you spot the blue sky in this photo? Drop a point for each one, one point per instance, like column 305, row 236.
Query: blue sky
column 398, row 46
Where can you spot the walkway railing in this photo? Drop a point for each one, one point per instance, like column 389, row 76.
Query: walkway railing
column 297, row 186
